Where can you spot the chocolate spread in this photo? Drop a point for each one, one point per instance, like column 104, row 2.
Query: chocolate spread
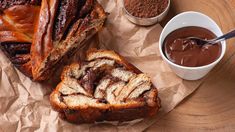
column 180, row 50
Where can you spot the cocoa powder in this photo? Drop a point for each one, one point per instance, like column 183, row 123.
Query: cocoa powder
column 145, row 8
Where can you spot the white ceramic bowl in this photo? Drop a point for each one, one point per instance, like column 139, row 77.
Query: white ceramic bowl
column 191, row 19
column 145, row 21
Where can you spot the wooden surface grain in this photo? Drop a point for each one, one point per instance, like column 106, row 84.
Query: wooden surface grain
column 212, row 106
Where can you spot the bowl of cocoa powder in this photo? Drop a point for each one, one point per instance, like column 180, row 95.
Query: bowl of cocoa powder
column 145, row 12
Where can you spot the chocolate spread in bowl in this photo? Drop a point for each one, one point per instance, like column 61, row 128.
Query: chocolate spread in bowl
column 187, row 52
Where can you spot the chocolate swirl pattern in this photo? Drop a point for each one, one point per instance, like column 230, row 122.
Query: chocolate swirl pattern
column 104, row 87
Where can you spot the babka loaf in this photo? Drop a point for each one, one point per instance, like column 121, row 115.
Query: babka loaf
column 37, row 34
column 104, row 87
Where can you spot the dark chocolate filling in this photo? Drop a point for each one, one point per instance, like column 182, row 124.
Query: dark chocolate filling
column 17, row 52
column 14, row 48
column 92, row 78
column 67, row 14
column 20, row 59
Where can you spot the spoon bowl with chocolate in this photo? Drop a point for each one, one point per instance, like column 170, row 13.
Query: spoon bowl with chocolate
column 189, row 58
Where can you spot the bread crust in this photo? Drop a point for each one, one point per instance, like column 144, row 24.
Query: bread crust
column 16, row 32
column 146, row 106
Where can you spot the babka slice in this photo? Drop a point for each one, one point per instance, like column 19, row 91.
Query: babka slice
column 104, row 87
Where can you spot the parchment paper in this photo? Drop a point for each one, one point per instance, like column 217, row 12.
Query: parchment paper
column 25, row 104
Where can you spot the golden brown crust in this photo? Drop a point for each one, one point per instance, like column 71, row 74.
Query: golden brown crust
column 17, row 24
column 16, row 32
column 57, row 105
column 42, row 41
column 146, row 105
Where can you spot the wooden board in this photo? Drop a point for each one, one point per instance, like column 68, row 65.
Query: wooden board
column 212, row 106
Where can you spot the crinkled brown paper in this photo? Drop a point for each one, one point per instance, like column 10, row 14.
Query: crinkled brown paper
column 25, row 104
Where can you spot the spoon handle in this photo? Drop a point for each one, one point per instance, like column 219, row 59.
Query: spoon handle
column 228, row 35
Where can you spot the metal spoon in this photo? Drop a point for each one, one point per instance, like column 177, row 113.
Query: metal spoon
column 200, row 41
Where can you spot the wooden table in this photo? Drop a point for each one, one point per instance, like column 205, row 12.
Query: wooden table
column 212, row 106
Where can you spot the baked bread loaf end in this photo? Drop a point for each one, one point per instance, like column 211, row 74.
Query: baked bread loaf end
column 104, row 88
